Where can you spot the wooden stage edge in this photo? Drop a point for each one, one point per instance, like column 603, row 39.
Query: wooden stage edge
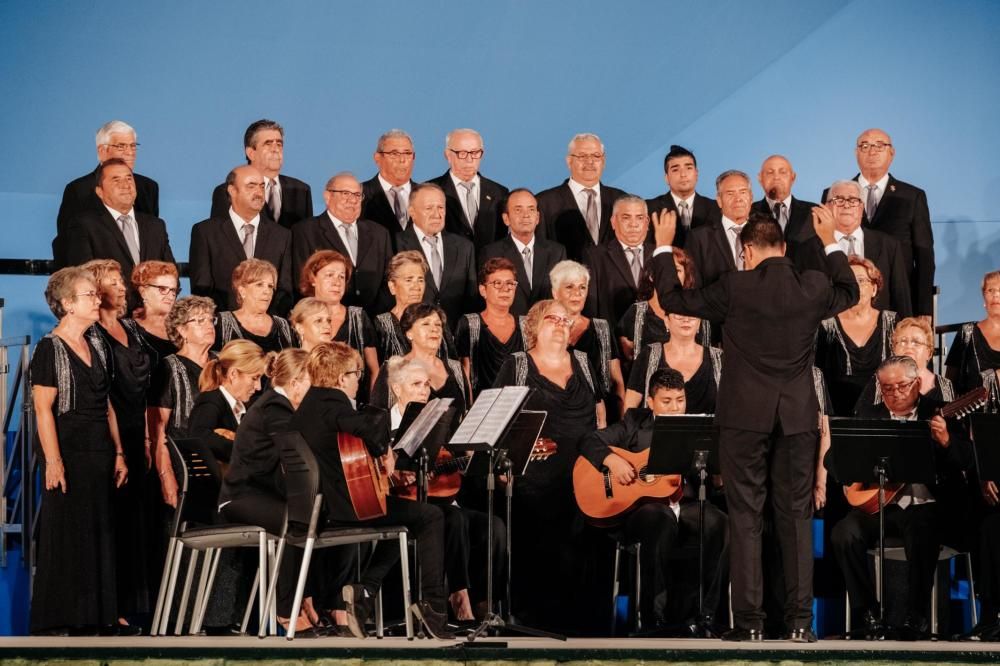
column 510, row 650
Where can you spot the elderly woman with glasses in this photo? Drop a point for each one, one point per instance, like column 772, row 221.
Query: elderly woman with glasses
column 82, row 462
column 254, row 282
column 157, row 285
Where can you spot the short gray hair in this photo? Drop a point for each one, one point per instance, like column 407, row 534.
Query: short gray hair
column 628, row 199
column 461, row 130
column 568, row 269
column 398, row 369
column 340, row 174
column 393, row 134
column 114, row 127
column 583, row 137
column 837, row 183
column 905, row 362
column 727, row 174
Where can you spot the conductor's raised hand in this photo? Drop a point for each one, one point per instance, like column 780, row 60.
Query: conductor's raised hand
column 823, row 223
column 664, row 226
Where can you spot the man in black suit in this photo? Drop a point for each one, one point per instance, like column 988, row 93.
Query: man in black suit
column 577, row 214
column 615, row 265
column 473, row 201
column 776, row 177
column 387, row 194
column 715, row 247
column 287, row 200
column 118, row 231
column 881, row 249
column 900, row 210
column 367, row 245
column 114, row 139
column 767, row 404
column 219, row 244
column 680, row 171
column 451, row 275
column 533, row 257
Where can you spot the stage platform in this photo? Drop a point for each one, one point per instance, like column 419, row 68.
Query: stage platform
column 492, row 651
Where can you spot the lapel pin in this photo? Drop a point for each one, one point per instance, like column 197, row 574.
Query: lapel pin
column 892, row 188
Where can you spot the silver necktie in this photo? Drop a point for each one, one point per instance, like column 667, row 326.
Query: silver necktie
column 851, row 249
column 872, row 205
column 471, row 202
column 779, row 214
column 685, row 210
column 131, row 236
column 592, row 218
column 737, row 247
column 432, row 241
column 351, row 232
column 248, row 240
column 634, row 262
column 398, row 207
column 274, row 200
column 528, row 266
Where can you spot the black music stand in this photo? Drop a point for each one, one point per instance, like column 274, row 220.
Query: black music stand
column 418, row 457
column 883, row 451
column 683, row 444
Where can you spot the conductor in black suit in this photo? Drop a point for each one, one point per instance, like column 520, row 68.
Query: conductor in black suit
column 577, row 214
column 881, row 249
column 533, row 257
column 365, row 243
column 114, row 139
column 767, row 405
column 776, row 178
column 615, row 266
column 680, row 171
column 474, row 202
column 451, row 275
column 287, row 200
column 219, row 244
column 118, row 230
column 387, row 194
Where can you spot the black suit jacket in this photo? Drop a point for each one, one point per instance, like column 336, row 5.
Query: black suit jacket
column 545, row 255
column 211, row 411
column 799, row 225
column 323, row 413
column 296, row 202
column 882, row 250
column 367, row 288
column 254, row 467
column 771, row 315
column 705, row 211
column 903, row 214
column 459, row 292
column 216, row 249
column 378, row 208
column 562, row 221
column 79, row 197
column 709, row 248
column 488, row 226
column 612, row 289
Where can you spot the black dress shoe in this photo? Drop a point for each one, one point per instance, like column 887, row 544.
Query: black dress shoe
column 224, row 630
column 740, row 634
column 83, row 630
column 801, row 636
column 435, row 623
column 914, row 629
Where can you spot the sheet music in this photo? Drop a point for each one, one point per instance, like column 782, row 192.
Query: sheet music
column 422, row 425
column 489, row 416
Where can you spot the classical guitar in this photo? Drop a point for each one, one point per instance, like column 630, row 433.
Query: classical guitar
column 445, row 478
column 864, row 496
column 605, row 502
column 367, row 482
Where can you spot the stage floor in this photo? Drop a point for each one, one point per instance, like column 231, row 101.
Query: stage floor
column 504, row 650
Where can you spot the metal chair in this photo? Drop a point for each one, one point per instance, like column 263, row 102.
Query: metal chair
column 199, row 479
column 304, row 505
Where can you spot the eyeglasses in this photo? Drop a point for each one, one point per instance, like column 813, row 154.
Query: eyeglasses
column 877, row 146
column 466, row 154
column 353, row 196
column 201, row 321
column 992, row 291
column 863, row 281
column 123, row 147
column 557, row 320
column 898, row 389
column 397, row 154
column 87, row 294
column 587, row 157
column 909, row 342
column 503, row 284
column 352, row 372
column 846, row 202
column 164, row 291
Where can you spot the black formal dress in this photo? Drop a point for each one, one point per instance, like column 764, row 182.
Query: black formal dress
column 488, row 225
column 358, row 332
column 847, row 366
column 544, row 255
column 563, row 222
column 296, row 202
column 971, row 358
column 700, row 390
column 601, row 348
column 641, row 326
column 704, row 212
column 281, row 336
column 454, row 387
column 155, row 347
column 393, row 342
column 766, row 410
column 75, row 577
column 799, row 218
column 612, row 288
column 174, row 386
column 458, row 292
column 475, row 341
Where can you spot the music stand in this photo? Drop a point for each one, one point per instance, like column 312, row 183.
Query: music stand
column 683, row 444
column 883, row 451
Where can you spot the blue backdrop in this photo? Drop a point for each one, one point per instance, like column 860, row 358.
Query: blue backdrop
column 732, row 80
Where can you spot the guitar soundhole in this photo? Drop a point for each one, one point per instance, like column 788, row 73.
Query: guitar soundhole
column 645, row 477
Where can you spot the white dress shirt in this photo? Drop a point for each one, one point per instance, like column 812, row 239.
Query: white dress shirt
column 460, row 189
column 881, row 183
column 338, row 225
column 121, row 227
column 787, row 201
column 238, row 223
column 859, row 241
column 404, row 191
column 581, row 197
column 426, row 250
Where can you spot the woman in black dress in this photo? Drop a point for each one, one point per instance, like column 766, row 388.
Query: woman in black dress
column 850, row 346
column 975, row 352
column 174, row 386
column 570, row 284
column 485, row 340
column 158, row 286
column 82, row 461
column 254, row 281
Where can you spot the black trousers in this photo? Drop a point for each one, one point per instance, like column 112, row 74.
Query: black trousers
column 748, row 460
column 919, row 526
column 988, row 578
column 465, row 549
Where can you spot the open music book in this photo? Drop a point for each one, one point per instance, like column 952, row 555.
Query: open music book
column 493, row 410
column 422, row 425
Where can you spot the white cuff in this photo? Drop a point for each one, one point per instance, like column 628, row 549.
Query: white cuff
column 831, row 248
column 663, row 248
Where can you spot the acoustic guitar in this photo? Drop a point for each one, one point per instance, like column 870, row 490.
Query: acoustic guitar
column 367, row 482
column 864, row 496
column 605, row 502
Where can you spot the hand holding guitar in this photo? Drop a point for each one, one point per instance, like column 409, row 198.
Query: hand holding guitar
column 621, row 470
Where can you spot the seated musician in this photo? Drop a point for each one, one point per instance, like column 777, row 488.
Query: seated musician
column 661, row 526
column 327, row 410
column 917, row 513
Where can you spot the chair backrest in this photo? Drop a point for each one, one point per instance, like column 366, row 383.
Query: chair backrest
column 301, row 480
column 198, row 480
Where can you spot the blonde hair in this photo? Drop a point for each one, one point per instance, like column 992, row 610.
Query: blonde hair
column 919, row 324
column 244, row 355
column 534, row 319
column 404, row 258
column 306, row 308
column 249, row 271
column 329, row 361
column 286, row 365
column 100, row 269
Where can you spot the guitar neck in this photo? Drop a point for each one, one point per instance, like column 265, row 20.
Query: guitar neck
column 451, row 465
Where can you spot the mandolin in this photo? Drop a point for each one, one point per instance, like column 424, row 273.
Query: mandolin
column 864, row 496
column 605, row 502
column 367, row 482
